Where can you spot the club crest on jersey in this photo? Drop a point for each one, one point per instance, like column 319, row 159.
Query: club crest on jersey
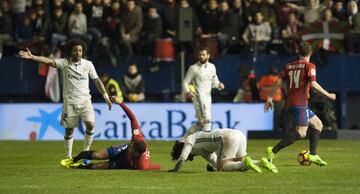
column 313, row 72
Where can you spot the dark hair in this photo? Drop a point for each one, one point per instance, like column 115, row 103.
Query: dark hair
column 139, row 147
column 204, row 48
column 75, row 42
column 177, row 149
column 304, row 49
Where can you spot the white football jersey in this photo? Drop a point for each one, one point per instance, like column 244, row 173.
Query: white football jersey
column 76, row 79
column 204, row 78
column 204, row 143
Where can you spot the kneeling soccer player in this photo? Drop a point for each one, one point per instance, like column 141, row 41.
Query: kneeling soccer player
column 134, row 155
column 224, row 149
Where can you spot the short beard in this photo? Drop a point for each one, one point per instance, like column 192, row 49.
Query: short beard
column 203, row 62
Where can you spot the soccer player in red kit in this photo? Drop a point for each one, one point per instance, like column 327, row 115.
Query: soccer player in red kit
column 300, row 75
column 133, row 155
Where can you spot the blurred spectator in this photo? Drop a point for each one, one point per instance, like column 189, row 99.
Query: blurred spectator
column 25, row 32
column 131, row 26
column 263, row 7
column 69, row 5
column 134, row 85
column 312, row 11
column 239, row 10
column 77, row 24
column 257, row 35
column 229, row 27
column 59, row 28
column 209, row 18
column 96, row 25
column 111, row 86
column 282, row 11
column 353, row 36
column 328, row 17
column 168, row 18
column 339, row 11
column 111, row 37
column 147, row 4
column 249, row 91
column 5, row 30
column 152, row 30
column 265, row 86
column 291, row 34
column 42, row 27
column 18, row 10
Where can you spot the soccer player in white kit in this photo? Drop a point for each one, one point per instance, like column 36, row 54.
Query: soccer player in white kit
column 203, row 76
column 224, row 149
column 76, row 72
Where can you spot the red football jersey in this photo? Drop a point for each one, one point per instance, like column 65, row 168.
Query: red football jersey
column 144, row 162
column 298, row 76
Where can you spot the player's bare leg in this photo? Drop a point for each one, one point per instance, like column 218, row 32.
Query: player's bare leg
column 316, row 127
column 299, row 132
column 89, row 134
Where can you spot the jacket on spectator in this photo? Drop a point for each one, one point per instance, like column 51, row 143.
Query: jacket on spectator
column 132, row 21
column 5, row 25
column 265, row 87
column 77, row 23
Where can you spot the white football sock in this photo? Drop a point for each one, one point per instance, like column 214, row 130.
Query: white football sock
column 207, row 127
column 234, row 166
column 88, row 141
column 68, row 147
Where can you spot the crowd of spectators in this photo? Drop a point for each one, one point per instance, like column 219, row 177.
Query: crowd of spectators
column 128, row 27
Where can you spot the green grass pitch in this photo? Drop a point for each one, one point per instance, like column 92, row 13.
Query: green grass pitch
column 33, row 167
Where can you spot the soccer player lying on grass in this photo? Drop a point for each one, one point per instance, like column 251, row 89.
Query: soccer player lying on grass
column 134, row 155
column 224, row 149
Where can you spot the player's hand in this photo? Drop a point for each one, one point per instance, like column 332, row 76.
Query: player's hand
column 107, row 100
column 26, row 54
column 268, row 105
column 188, row 96
column 332, row 96
column 221, row 86
column 115, row 99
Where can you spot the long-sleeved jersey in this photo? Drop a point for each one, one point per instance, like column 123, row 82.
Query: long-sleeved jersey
column 204, row 78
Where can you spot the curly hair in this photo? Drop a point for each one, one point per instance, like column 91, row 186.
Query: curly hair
column 75, row 42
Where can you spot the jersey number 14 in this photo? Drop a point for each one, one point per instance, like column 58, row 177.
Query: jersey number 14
column 294, row 76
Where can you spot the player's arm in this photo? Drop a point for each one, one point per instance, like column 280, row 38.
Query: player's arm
column 28, row 55
column 269, row 104
column 320, row 89
column 101, row 88
column 135, row 127
column 184, row 155
column 188, row 78
column 216, row 83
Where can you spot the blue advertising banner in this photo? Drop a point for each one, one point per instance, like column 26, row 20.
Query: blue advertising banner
column 158, row 121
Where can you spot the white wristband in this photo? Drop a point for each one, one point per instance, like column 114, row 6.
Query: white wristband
column 106, row 96
column 269, row 99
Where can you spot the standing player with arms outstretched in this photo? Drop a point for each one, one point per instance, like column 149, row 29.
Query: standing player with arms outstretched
column 300, row 75
column 203, row 76
column 76, row 72
column 133, row 155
